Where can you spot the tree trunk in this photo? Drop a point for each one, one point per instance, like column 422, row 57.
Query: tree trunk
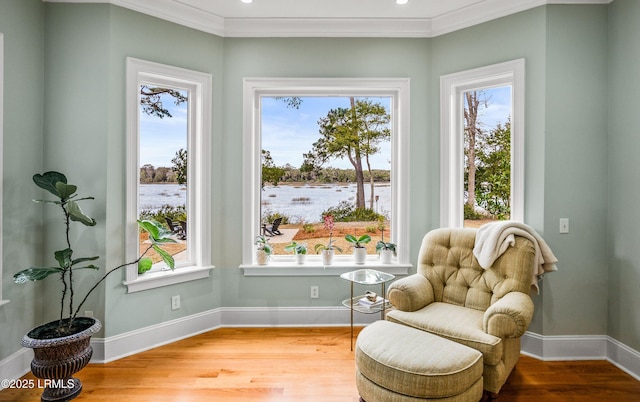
column 471, row 129
column 356, row 159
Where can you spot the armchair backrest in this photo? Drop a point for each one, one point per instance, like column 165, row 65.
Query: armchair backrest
column 446, row 259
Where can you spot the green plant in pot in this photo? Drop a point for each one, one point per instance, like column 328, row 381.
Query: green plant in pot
column 299, row 249
column 263, row 250
column 385, row 249
column 359, row 250
column 61, row 347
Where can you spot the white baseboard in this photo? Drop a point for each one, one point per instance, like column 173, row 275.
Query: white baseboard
column 582, row 347
column 579, row 347
column 15, row 365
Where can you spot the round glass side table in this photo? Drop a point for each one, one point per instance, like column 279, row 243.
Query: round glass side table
column 366, row 277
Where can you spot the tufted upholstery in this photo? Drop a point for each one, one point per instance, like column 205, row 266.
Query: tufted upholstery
column 453, row 297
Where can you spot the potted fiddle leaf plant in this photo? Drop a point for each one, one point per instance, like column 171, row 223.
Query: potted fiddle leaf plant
column 61, row 347
column 299, row 249
column 359, row 250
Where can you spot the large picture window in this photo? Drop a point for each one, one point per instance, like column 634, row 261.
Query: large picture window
column 168, row 146
column 482, row 143
column 325, row 147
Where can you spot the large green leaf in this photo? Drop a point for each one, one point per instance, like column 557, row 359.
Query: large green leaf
column 83, row 259
column 76, row 214
column 166, row 257
column 150, row 227
column 35, row 274
column 144, row 265
column 48, row 181
column 63, row 257
column 90, row 266
column 65, row 190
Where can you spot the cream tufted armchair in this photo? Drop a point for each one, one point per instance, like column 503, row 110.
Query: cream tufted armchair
column 453, row 297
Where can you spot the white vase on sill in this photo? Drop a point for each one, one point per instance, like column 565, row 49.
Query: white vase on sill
column 327, row 257
column 262, row 257
column 385, row 256
column 359, row 255
column 300, row 258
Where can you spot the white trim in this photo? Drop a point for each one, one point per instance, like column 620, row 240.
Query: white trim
column 397, row 88
column 582, row 347
column 294, row 269
column 199, row 233
column 16, row 365
column 452, row 86
column 187, row 15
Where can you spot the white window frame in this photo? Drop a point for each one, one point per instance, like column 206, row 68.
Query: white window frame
column 2, row 301
column 199, row 234
column 254, row 90
column 452, row 87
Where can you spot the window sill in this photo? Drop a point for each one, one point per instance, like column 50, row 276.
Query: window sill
column 315, row 268
column 3, row 302
column 158, row 279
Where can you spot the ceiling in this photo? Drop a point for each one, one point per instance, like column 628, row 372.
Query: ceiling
column 330, row 18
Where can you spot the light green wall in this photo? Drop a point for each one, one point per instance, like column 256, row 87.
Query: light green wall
column 566, row 53
column 624, row 189
column 22, row 156
column 575, row 298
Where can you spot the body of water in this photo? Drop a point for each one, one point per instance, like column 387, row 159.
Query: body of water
column 300, row 202
column 154, row 196
column 306, row 202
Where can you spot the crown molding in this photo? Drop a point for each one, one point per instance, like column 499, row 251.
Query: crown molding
column 192, row 17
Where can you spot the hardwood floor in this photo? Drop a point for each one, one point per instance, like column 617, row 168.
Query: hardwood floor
column 302, row 364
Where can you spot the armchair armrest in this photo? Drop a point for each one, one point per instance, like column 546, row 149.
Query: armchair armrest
column 510, row 316
column 411, row 293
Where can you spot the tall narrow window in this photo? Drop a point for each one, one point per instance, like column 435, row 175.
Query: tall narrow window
column 168, row 169
column 482, row 141
column 325, row 147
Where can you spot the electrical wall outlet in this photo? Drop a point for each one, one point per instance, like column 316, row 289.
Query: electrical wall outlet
column 315, row 292
column 175, row 302
column 564, row 225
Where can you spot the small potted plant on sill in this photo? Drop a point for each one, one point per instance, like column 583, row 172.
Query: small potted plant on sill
column 385, row 250
column 264, row 250
column 61, row 347
column 359, row 250
column 327, row 251
column 299, row 249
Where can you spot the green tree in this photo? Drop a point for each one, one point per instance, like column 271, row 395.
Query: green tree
column 270, row 173
column 151, row 100
column 493, row 179
column 180, row 166
column 352, row 133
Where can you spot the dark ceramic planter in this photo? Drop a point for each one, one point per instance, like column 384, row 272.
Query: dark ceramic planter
column 57, row 358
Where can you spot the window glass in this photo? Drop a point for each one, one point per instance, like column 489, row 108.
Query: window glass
column 487, row 155
column 325, row 155
column 162, row 190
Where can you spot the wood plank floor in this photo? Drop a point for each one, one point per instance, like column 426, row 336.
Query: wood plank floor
column 303, row 364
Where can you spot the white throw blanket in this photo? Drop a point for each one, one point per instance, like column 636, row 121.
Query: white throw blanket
column 494, row 238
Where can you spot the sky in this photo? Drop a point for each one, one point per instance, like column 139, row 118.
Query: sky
column 287, row 133
column 160, row 139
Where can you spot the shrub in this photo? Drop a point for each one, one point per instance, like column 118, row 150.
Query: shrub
column 176, row 214
column 347, row 212
column 471, row 213
column 308, row 228
column 270, row 216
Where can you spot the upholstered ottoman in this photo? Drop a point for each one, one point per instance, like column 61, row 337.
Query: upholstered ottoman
column 396, row 363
